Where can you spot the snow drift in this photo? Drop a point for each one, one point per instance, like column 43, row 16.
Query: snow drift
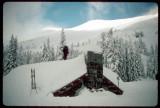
column 50, row 76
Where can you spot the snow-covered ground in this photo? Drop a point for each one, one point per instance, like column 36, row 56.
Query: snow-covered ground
column 50, row 76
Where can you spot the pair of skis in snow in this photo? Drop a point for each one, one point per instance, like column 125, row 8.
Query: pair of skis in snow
column 33, row 82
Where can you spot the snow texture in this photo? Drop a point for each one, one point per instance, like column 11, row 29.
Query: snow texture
column 50, row 76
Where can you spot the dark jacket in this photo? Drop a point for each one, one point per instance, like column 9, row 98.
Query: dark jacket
column 65, row 50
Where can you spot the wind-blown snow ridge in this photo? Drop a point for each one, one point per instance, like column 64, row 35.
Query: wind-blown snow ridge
column 101, row 24
column 91, row 26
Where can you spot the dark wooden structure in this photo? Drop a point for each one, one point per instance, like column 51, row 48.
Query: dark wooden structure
column 94, row 64
column 93, row 79
column 71, row 88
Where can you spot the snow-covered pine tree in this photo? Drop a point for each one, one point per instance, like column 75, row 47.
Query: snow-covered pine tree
column 148, row 68
column 8, row 64
column 20, row 56
column 49, row 52
column 131, row 62
column 114, row 57
column 57, row 53
column 76, row 52
column 11, row 57
column 138, row 65
column 71, row 52
column 62, row 43
column 48, row 44
column 15, row 51
column 139, row 35
column 63, row 39
column 142, row 69
column 120, row 67
column 107, row 51
column 155, row 61
column 44, row 53
column 103, row 42
column 124, row 77
column 52, row 54
column 145, row 49
column 28, row 57
column 5, row 57
column 127, row 63
column 152, row 62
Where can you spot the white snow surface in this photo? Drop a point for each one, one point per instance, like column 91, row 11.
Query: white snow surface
column 50, row 76
column 148, row 24
column 101, row 24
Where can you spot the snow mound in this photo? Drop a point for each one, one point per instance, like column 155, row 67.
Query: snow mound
column 50, row 76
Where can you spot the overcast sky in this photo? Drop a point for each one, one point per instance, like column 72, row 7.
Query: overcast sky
column 24, row 18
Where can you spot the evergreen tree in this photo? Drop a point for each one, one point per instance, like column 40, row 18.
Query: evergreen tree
column 148, row 68
column 103, row 42
column 156, row 61
column 15, row 51
column 108, row 49
column 62, row 43
column 11, row 57
column 28, row 57
column 131, row 63
column 140, row 43
column 20, row 56
column 37, row 57
column 142, row 69
column 127, row 63
column 57, row 53
column 120, row 67
column 71, row 52
column 63, row 39
column 145, row 49
column 52, row 54
column 114, row 55
column 5, row 60
column 44, row 55
column 133, row 67
column 48, row 44
column 49, row 52
column 152, row 62
column 137, row 64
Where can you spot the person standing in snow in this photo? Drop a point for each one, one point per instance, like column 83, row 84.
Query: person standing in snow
column 65, row 52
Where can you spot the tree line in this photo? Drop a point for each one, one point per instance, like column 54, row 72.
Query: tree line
column 15, row 55
column 125, row 58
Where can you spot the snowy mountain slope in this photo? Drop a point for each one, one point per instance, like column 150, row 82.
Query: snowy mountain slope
column 54, row 36
column 148, row 24
column 127, row 32
column 51, row 76
column 103, row 24
column 148, row 27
